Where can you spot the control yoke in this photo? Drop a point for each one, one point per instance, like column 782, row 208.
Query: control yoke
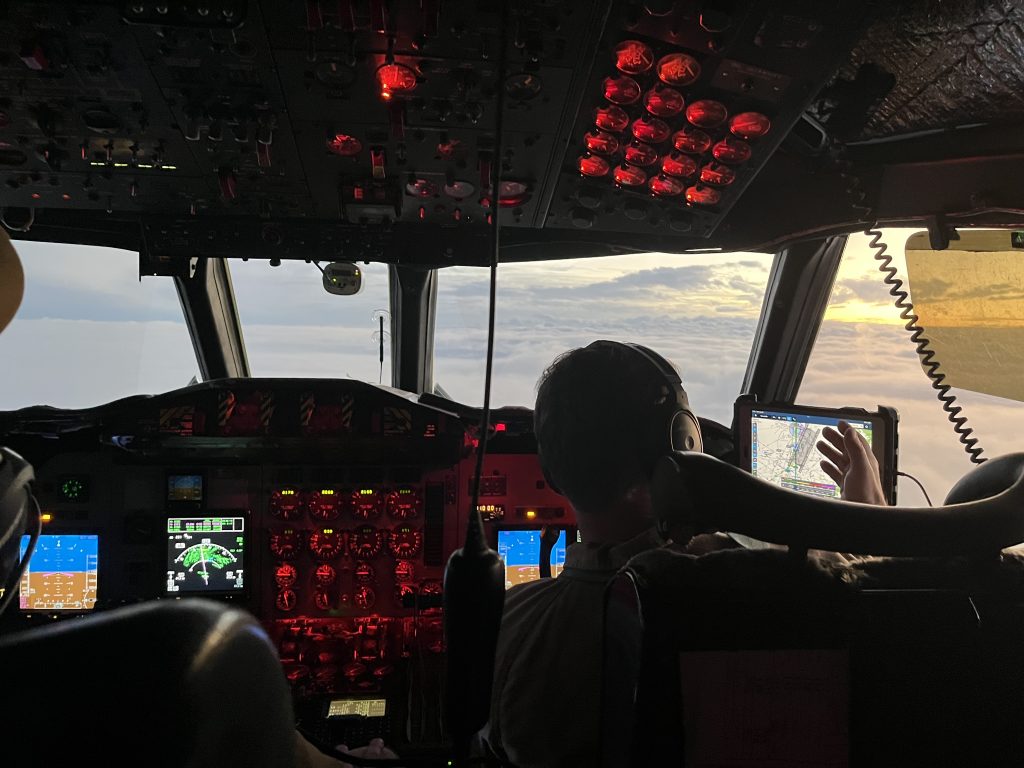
column 983, row 514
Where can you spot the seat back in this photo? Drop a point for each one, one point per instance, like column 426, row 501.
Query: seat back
column 757, row 658
column 168, row 683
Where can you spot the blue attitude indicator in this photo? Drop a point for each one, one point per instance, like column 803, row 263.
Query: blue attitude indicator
column 63, row 574
column 520, row 550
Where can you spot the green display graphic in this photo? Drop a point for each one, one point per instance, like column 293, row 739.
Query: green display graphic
column 205, row 554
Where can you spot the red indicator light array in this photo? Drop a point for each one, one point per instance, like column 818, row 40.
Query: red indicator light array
column 629, row 176
column 701, row 195
column 621, row 90
column 706, row 113
column 593, row 166
column 678, row 164
column 601, row 143
column 730, row 150
column 691, row 140
column 664, row 102
column 718, row 174
column 641, row 154
column 678, row 69
column 749, row 125
column 612, row 119
column 666, row 186
column 651, row 129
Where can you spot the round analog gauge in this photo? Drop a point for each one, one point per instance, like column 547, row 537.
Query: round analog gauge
column 364, row 597
column 286, row 504
column 324, row 505
column 404, row 503
column 405, row 571
column 322, row 600
column 325, row 575
column 286, row 600
column 286, row 543
column 364, row 573
column 365, row 541
column 73, row 489
column 326, row 543
column 285, row 575
column 365, row 504
column 431, row 587
column 405, row 592
column 404, row 541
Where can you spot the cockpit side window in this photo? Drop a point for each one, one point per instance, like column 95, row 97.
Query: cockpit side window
column 864, row 357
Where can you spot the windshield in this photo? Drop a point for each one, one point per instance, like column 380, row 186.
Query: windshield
column 699, row 310
column 294, row 328
column 89, row 331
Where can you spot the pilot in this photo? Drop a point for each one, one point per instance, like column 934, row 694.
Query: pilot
column 596, row 422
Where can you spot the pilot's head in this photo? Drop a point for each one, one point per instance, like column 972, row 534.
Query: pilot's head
column 604, row 415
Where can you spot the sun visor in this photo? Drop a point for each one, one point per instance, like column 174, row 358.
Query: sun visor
column 12, row 280
column 970, row 298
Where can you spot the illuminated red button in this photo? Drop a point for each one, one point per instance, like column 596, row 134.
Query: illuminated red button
column 691, row 140
column 633, row 57
column 717, row 174
column 593, row 165
column 395, row 78
column 749, row 125
column 730, row 150
column 602, row 143
column 628, row 176
column 677, row 164
column 666, row 186
column 611, row 119
column 664, row 102
column 678, row 69
column 703, row 195
column 641, row 154
column 621, row 90
column 706, row 113
column 343, row 145
column 651, row 130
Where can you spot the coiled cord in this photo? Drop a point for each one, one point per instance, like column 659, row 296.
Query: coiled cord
column 923, row 345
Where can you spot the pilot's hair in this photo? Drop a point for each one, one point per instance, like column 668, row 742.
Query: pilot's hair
column 593, row 422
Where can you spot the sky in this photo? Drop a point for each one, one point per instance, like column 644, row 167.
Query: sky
column 90, row 331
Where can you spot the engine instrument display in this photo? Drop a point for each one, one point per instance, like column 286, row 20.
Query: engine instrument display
column 286, row 503
column 324, row 505
column 365, row 541
column 286, row 543
column 326, row 543
column 365, row 504
column 205, row 554
column 405, row 541
column 62, row 574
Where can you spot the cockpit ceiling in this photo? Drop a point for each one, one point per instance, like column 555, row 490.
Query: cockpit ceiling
column 930, row 65
column 271, row 130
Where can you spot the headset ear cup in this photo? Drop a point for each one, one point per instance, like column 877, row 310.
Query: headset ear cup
column 686, row 434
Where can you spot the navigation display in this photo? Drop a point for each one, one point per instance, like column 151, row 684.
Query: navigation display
column 62, row 574
column 205, row 554
column 783, row 449
column 519, row 548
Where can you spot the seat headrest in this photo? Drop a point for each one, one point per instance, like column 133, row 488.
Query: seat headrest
column 12, row 280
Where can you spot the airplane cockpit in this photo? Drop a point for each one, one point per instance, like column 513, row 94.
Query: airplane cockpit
column 279, row 280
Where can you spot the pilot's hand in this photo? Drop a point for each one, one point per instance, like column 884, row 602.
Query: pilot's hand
column 375, row 748
column 851, row 464
column 549, row 535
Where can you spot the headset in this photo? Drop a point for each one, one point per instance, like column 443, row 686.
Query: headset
column 19, row 515
column 674, row 427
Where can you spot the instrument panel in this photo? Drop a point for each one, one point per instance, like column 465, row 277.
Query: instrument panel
column 328, row 509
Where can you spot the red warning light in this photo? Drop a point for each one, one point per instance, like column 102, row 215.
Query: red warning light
column 651, row 130
column 666, row 186
column 717, row 174
column 593, row 165
column 602, row 143
column 621, row 90
column 664, row 102
column 706, row 113
column 641, row 154
column 678, row 69
column 611, row 119
column 633, row 57
column 448, row 149
column 700, row 195
column 691, row 140
column 344, row 145
column 628, row 176
column 749, row 125
column 730, row 150
column 395, row 78
column 677, row 164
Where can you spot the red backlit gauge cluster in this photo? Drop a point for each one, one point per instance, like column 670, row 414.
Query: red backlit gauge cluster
column 287, row 543
column 365, row 542
column 404, row 503
column 657, row 130
column 404, row 541
column 325, row 504
column 326, row 543
column 287, row 503
column 365, row 503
